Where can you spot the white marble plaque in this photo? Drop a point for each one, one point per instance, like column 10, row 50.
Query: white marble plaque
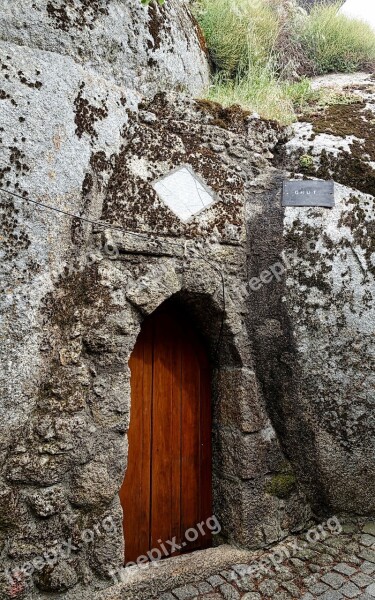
column 184, row 193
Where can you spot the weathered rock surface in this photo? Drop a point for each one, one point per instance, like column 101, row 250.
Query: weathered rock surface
column 87, row 291
column 338, row 142
column 147, row 49
column 330, row 304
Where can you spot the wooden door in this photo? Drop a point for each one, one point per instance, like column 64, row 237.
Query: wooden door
column 167, row 487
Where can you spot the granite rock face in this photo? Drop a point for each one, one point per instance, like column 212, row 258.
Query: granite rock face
column 328, row 302
column 330, row 293
column 144, row 49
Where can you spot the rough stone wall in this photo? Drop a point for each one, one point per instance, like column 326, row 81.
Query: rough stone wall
column 330, row 293
column 65, row 101
column 65, row 110
column 75, row 297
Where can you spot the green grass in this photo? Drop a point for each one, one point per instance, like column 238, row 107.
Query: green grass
column 263, row 92
column 238, row 33
column 263, row 52
column 337, row 43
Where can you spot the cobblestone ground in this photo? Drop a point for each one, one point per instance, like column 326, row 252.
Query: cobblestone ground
column 333, row 567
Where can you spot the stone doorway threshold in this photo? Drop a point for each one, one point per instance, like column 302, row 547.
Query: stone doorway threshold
column 143, row 584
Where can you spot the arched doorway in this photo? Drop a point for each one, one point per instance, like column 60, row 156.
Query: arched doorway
column 167, row 488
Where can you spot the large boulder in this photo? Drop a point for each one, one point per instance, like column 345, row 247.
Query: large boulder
column 318, row 372
column 73, row 72
column 147, row 49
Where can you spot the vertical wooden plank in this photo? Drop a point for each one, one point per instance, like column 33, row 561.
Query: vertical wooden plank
column 176, row 429
column 205, row 448
column 135, row 491
column 190, row 446
column 167, row 489
column 162, row 450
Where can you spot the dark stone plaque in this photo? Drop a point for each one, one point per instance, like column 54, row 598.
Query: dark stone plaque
column 298, row 192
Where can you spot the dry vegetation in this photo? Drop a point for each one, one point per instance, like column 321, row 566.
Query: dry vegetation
column 264, row 51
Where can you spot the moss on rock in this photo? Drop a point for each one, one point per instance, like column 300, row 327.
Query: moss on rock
column 281, row 485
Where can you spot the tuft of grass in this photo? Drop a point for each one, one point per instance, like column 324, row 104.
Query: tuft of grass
column 239, row 33
column 337, row 43
column 306, row 161
column 263, row 92
column 263, row 50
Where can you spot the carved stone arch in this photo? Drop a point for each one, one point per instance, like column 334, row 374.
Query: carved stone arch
column 205, row 298
column 246, row 452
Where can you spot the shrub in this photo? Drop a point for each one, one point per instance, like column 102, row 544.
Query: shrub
column 239, row 33
column 337, row 43
column 262, row 50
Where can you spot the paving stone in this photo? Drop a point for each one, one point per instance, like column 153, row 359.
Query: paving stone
column 324, row 560
column 229, row 592
column 337, row 542
column 349, row 528
column 185, row 592
column 367, row 554
column 308, row 554
column 292, row 588
column 331, row 595
column 299, row 566
column 268, row 587
column 315, row 568
column 344, row 569
column 311, row 580
column 167, row 596
column 367, row 567
column 350, row 590
column 318, row 588
column 361, row 579
column 369, row 528
column 331, row 551
column 204, row 587
column 296, row 562
column 367, row 539
column 281, row 596
column 352, row 559
column 213, row 597
column 246, row 584
column 334, row 580
column 307, row 596
column 242, row 569
column 252, row 596
column 284, row 574
column 365, row 597
column 371, row 590
column 215, row 580
column 229, row 575
column 353, row 546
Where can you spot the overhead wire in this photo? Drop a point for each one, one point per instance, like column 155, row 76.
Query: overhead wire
column 146, row 237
